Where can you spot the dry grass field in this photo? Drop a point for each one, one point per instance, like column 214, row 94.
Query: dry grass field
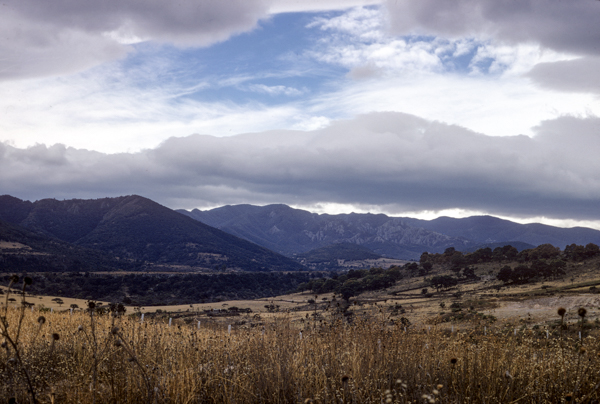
column 315, row 355
column 475, row 343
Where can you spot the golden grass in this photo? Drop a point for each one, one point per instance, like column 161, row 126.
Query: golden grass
column 122, row 360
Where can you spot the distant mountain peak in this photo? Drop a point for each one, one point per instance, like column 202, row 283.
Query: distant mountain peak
column 300, row 231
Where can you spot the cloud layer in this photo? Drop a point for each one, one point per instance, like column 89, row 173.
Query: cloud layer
column 39, row 38
column 396, row 160
column 568, row 26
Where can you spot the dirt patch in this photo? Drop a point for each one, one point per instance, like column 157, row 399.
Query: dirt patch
column 11, row 245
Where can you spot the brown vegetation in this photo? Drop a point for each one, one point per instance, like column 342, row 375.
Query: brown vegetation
column 83, row 358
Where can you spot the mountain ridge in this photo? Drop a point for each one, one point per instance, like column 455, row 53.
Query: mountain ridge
column 292, row 231
column 134, row 227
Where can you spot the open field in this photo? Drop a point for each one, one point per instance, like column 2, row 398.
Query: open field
column 478, row 342
column 105, row 359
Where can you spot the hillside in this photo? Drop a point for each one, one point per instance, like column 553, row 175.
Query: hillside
column 294, row 231
column 136, row 228
column 22, row 250
column 489, row 229
column 338, row 252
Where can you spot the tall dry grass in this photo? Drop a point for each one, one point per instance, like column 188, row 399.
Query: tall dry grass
column 105, row 359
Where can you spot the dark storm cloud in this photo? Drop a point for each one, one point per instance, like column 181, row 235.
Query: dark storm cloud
column 570, row 26
column 389, row 159
column 58, row 36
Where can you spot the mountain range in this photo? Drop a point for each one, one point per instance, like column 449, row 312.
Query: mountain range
column 133, row 232
column 292, row 231
column 134, row 229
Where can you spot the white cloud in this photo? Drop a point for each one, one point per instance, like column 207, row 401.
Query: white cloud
column 290, row 6
column 40, row 38
column 276, row 90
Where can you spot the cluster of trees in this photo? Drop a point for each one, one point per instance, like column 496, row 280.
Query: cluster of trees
column 144, row 290
column 537, row 269
column 456, row 259
column 545, row 261
column 354, row 282
column 576, row 252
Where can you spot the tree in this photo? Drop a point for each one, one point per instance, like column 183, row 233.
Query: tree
column 591, row 250
column 448, row 252
column 508, row 253
column 350, row 288
column 481, row 255
column 427, row 266
column 443, row 282
column 575, row 252
column 58, row 301
column 469, row 273
column 505, row 274
column 457, row 260
column 523, row 274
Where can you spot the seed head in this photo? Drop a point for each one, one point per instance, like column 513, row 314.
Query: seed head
column 41, row 320
column 561, row 311
column 55, row 336
column 91, row 305
column 453, row 361
column 345, row 379
column 582, row 312
column 114, row 330
column 118, row 343
column 27, row 280
column 569, row 397
column 14, row 279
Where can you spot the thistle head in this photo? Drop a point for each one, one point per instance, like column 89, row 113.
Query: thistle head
column 581, row 312
column 562, row 311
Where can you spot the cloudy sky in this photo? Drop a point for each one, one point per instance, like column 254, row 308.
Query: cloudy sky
column 419, row 108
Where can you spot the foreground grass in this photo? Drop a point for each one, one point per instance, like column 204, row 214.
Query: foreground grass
column 106, row 359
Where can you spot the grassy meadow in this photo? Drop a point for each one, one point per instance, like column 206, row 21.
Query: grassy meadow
column 111, row 358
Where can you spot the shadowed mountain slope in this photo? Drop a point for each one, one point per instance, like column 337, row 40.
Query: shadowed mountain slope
column 294, row 231
column 137, row 228
column 22, row 250
column 489, row 229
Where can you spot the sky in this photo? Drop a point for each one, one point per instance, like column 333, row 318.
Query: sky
column 410, row 108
